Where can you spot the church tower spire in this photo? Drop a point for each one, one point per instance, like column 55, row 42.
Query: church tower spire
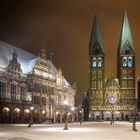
column 96, row 68
column 95, row 37
column 125, row 37
column 126, row 65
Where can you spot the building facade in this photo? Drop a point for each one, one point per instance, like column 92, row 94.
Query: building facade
column 138, row 101
column 114, row 96
column 33, row 81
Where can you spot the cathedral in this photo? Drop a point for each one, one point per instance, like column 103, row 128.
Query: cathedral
column 31, row 87
column 115, row 96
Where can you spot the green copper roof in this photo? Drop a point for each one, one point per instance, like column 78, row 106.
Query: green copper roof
column 125, row 33
column 95, row 35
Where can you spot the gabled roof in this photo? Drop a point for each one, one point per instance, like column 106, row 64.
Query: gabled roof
column 125, row 34
column 23, row 57
column 26, row 60
column 95, row 35
column 111, row 82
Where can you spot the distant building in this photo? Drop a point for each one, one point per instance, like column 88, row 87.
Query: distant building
column 138, row 102
column 27, row 80
column 114, row 96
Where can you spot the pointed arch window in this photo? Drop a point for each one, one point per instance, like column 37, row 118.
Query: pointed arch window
column 94, row 63
column 130, row 62
column 13, row 90
column 124, row 62
column 99, row 62
column 2, row 88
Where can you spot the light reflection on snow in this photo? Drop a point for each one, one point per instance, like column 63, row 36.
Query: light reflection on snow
column 2, row 134
column 60, row 129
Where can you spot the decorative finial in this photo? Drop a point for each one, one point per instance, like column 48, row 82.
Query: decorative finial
column 112, row 76
column 43, row 54
column 74, row 85
column 14, row 54
column 125, row 4
column 95, row 10
column 51, row 56
column 60, row 70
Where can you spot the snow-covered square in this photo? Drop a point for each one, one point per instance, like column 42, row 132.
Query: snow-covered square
column 76, row 131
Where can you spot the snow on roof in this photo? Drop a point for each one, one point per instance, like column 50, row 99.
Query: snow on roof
column 66, row 83
column 25, row 59
column 6, row 52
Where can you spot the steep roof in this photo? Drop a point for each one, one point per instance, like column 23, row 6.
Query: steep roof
column 112, row 81
column 95, row 35
column 26, row 60
column 125, row 33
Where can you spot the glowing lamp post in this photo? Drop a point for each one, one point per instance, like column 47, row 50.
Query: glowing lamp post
column 32, row 108
column 43, row 115
column 66, row 123
column 81, row 115
column 31, row 121
column 134, row 121
column 73, row 109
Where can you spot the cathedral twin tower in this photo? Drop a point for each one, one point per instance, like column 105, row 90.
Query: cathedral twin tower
column 114, row 96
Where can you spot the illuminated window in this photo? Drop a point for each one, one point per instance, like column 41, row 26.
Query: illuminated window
column 99, row 62
column 130, row 62
column 94, row 63
column 124, row 62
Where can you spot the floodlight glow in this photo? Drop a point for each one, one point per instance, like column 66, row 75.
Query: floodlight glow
column 60, row 129
column 26, row 110
column 17, row 110
column 32, row 108
column 65, row 102
column 69, row 113
column 6, row 108
column 57, row 113
column 43, row 112
column 73, row 108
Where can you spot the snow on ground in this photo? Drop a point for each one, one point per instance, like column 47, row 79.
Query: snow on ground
column 85, row 131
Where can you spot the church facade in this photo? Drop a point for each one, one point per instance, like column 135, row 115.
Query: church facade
column 114, row 96
column 31, row 87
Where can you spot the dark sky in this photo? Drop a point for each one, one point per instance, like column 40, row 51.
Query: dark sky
column 64, row 28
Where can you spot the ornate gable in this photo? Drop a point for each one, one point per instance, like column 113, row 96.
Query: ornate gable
column 127, row 49
column 13, row 66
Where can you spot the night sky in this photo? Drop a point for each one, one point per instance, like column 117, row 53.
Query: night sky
column 64, row 28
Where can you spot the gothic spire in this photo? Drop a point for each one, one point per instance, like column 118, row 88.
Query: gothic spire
column 15, row 55
column 95, row 36
column 125, row 36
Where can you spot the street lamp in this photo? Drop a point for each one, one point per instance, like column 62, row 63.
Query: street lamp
column 134, row 121
column 43, row 113
column 66, row 123
column 81, row 115
column 31, row 120
column 73, row 118
column 112, row 115
column 73, row 108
